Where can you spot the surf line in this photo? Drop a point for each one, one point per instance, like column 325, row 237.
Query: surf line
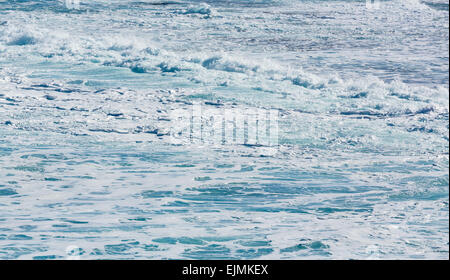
column 199, row 270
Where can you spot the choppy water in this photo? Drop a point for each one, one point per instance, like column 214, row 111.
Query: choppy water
column 361, row 170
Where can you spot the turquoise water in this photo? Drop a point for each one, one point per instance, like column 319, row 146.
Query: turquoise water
column 88, row 168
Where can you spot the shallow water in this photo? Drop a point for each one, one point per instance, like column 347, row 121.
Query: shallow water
column 360, row 169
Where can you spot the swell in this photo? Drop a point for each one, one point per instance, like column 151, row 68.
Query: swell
column 265, row 78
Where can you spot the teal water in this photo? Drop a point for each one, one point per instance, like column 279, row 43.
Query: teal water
column 89, row 170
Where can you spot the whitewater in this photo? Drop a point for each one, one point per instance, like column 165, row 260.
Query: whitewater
column 88, row 167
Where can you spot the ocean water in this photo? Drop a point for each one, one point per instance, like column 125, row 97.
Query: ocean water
column 359, row 169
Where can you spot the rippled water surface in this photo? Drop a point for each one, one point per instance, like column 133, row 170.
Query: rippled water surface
column 86, row 162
